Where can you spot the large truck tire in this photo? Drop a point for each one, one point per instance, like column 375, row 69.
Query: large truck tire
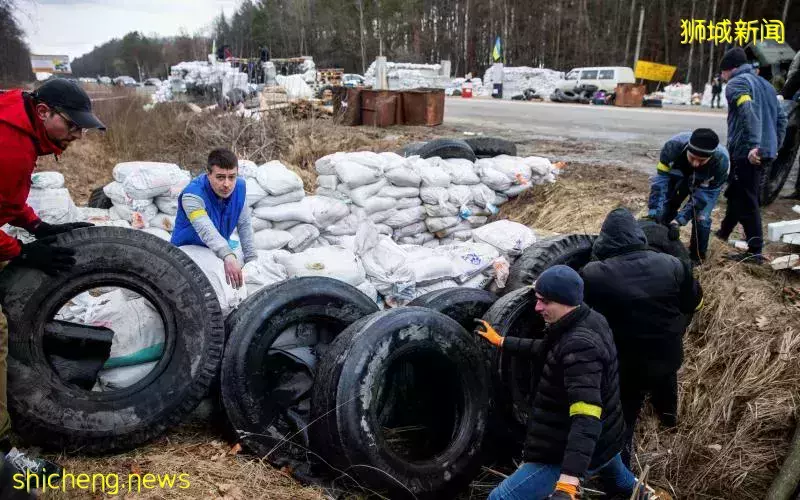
column 446, row 148
column 573, row 250
column 53, row 414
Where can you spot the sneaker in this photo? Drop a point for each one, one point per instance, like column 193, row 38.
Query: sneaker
column 33, row 466
column 746, row 258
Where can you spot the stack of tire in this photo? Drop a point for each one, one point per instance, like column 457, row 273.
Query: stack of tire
column 582, row 94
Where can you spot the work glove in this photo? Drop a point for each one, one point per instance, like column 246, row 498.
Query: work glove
column 489, row 333
column 565, row 491
column 674, row 231
column 43, row 230
column 42, row 254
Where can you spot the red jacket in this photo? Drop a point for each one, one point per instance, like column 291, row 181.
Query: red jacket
column 22, row 140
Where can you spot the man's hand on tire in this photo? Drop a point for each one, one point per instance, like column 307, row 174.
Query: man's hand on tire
column 489, row 333
column 43, row 230
column 233, row 271
column 43, row 254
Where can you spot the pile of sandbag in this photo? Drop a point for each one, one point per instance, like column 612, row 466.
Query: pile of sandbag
column 50, row 200
column 282, row 215
column 419, row 201
column 145, row 194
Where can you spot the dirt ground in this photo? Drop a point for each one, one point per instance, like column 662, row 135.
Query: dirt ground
column 577, row 202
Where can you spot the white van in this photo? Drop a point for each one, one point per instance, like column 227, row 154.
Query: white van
column 604, row 78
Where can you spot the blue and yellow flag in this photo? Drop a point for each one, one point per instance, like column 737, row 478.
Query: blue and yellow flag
column 496, row 54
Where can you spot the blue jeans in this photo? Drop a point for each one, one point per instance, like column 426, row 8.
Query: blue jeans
column 533, row 481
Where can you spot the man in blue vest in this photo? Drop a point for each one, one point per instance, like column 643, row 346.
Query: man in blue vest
column 210, row 208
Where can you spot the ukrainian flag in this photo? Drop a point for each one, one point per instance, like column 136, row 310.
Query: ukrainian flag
column 496, row 52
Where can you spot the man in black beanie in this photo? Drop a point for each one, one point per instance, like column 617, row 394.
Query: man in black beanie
column 756, row 128
column 575, row 428
column 693, row 165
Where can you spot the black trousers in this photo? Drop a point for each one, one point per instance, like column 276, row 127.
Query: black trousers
column 634, row 388
column 677, row 193
column 715, row 97
column 744, row 207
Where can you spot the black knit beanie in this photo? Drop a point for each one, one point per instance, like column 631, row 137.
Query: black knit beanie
column 733, row 58
column 703, row 142
column 560, row 284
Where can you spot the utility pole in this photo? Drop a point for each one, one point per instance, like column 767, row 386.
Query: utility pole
column 639, row 36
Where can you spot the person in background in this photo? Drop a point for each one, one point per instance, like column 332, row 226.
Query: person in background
column 575, row 428
column 210, row 208
column 647, row 298
column 40, row 123
column 716, row 91
column 756, row 128
column 692, row 165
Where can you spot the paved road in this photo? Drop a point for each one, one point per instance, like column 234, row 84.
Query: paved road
column 594, row 134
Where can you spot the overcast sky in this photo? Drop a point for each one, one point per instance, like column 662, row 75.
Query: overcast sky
column 75, row 27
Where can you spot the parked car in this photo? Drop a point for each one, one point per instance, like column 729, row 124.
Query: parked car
column 604, row 78
column 352, row 80
column 150, row 82
column 125, row 81
column 104, row 79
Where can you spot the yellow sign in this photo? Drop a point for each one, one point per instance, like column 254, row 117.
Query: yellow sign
column 653, row 71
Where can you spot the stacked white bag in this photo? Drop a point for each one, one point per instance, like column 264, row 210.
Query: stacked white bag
column 145, row 195
column 50, row 200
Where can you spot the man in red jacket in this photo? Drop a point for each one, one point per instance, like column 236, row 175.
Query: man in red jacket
column 34, row 124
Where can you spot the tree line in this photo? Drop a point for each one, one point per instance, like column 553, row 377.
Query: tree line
column 15, row 60
column 557, row 34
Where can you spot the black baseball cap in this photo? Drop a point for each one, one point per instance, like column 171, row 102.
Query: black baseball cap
column 69, row 98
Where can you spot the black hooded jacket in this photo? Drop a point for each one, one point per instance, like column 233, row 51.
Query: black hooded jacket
column 644, row 295
column 576, row 415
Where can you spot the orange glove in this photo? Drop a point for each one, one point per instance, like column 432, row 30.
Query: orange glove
column 565, row 491
column 489, row 334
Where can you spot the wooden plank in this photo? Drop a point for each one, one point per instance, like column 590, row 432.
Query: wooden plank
column 792, row 239
column 777, row 229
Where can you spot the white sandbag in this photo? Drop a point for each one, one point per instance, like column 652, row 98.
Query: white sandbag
column 166, row 204
column 378, row 203
column 149, row 183
column 368, row 159
column 47, row 180
column 93, row 215
column 539, row 166
column 385, row 263
column 114, row 223
column 355, row 174
column 259, row 224
column 406, row 217
column 344, row 189
column 362, row 194
column 331, row 262
column 370, row 291
column 379, row 217
column 123, row 170
column 404, row 177
column 247, row 169
column 116, row 193
column 433, row 243
column 157, row 231
column 163, row 221
column 271, row 239
column 285, row 225
column 513, row 167
column 330, row 193
column 277, row 180
column 327, row 181
column 413, row 229
column 432, row 287
column 436, row 224
column 480, row 281
column 482, row 195
column 114, row 379
column 54, row 206
column 434, row 195
column 297, row 211
column 418, row 239
column 271, row 256
column 139, row 219
column 255, row 192
column 399, row 192
column 477, row 221
column 391, row 161
column 384, row 229
column 433, row 175
column 274, row 201
column 510, row 238
column 470, row 259
column 326, row 211
column 181, row 180
column 347, row 226
column 516, row 190
column 407, row 203
column 214, row 269
column 346, row 241
column 303, row 235
column 461, row 171
column 493, row 178
column 444, row 210
column 459, row 195
column 450, row 231
column 327, row 164
column 475, row 210
column 260, row 273
column 499, row 199
column 465, row 235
